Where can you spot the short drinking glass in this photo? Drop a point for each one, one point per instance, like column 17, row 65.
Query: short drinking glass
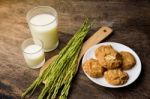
column 33, row 53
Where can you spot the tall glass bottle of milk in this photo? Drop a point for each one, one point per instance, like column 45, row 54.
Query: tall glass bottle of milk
column 43, row 23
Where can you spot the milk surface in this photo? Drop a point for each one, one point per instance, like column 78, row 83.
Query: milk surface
column 42, row 19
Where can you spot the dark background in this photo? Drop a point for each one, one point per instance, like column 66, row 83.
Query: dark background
column 130, row 20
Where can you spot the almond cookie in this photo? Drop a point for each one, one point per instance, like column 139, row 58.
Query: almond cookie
column 116, row 77
column 93, row 68
column 108, row 57
column 128, row 60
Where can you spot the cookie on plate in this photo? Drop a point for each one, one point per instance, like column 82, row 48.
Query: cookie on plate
column 116, row 77
column 108, row 57
column 93, row 68
column 128, row 60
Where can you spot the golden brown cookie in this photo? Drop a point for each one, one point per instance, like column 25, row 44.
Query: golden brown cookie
column 93, row 68
column 128, row 60
column 108, row 57
column 116, row 77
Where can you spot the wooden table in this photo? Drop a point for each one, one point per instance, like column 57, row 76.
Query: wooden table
column 130, row 21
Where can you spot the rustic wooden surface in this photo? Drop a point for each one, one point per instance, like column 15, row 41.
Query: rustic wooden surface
column 130, row 21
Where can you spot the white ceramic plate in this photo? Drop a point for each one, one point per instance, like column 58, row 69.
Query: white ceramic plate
column 133, row 73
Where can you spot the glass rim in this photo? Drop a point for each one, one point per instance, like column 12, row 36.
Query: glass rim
column 33, row 9
column 32, row 39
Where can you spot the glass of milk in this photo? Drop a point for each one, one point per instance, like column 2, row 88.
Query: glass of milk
column 43, row 22
column 33, row 53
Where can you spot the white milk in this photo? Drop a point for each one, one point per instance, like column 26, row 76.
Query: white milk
column 34, row 56
column 44, row 27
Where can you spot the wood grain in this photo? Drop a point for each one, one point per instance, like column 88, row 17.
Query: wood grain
column 130, row 20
